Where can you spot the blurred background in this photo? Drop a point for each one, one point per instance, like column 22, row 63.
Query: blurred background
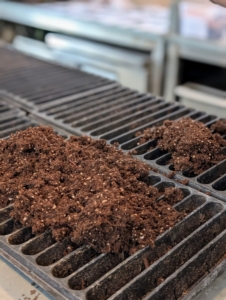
column 175, row 49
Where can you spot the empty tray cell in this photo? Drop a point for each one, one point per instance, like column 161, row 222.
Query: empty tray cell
column 73, row 262
column 155, row 154
column 16, row 126
column 88, row 114
column 5, row 213
column 8, row 119
column 4, row 109
column 6, row 227
column 140, row 149
column 94, row 270
column 189, row 224
column 196, row 115
column 119, row 276
column 220, row 185
column 38, row 244
column 21, row 236
column 152, row 179
column 194, row 270
column 51, row 96
column 65, row 93
column 213, row 174
column 125, row 134
column 104, row 118
column 69, row 85
column 186, row 173
column 75, row 105
column 164, row 160
column 135, row 118
column 12, row 123
column 113, row 104
column 56, row 252
column 189, row 204
column 164, row 185
column 186, row 192
column 208, row 120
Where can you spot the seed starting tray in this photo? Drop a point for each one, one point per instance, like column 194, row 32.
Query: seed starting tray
column 186, row 258
column 117, row 114
column 13, row 119
column 31, row 81
column 110, row 112
column 103, row 109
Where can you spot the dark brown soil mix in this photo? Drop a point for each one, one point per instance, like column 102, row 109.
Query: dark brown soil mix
column 191, row 143
column 219, row 127
column 84, row 189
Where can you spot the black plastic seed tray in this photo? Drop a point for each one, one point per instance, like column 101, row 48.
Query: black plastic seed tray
column 32, row 82
column 186, row 258
column 110, row 112
column 117, row 114
column 13, row 119
column 212, row 181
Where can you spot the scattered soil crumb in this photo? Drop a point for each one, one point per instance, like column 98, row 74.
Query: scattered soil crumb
column 33, row 292
column 146, row 263
column 133, row 152
column 36, row 297
column 185, row 181
column 155, row 170
column 160, row 280
column 83, row 189
column 116, row 144
column 192, row 145
column 171, row 175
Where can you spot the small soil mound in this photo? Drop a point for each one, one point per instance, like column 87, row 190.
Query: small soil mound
column 192, row 145
column 84, row 189
column 219, row 127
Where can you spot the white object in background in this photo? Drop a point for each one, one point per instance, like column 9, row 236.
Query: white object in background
column 119, row 13
column 34, row 48
column 15, row 285
column 202, row 20
column 120, row 4
column 202, row 98
column 130, row 68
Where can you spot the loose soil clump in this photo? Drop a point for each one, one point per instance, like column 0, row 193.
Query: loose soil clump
column 219, row 127
column 84, row 189
column 193, row 146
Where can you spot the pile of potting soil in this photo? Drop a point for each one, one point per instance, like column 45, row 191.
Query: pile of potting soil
column 193, row 146
column 84, row 189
